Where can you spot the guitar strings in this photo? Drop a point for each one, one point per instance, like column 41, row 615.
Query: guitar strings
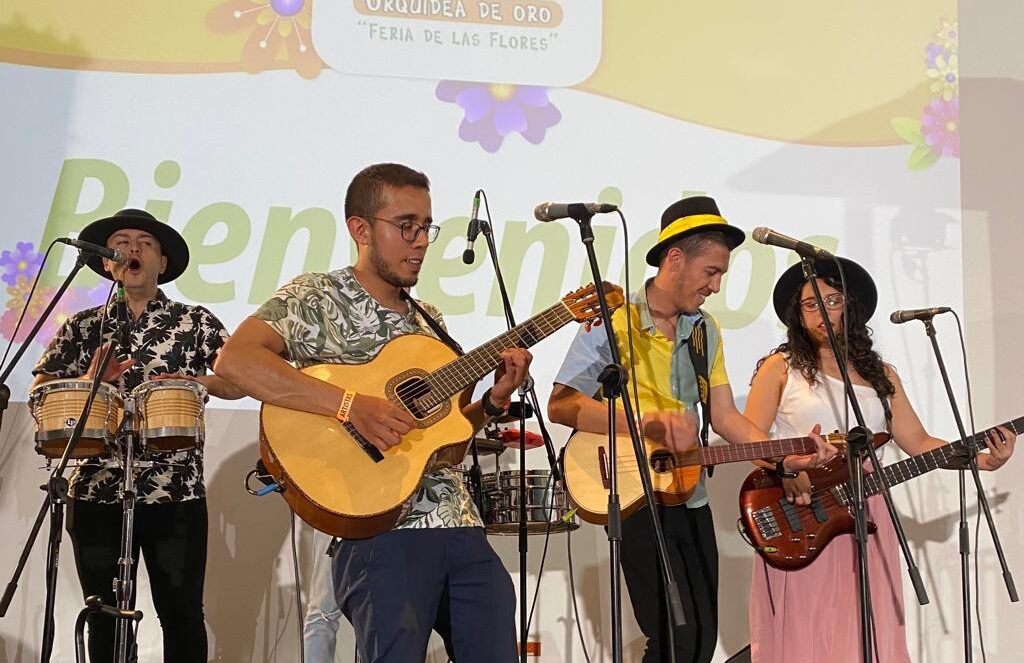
column 480, row 361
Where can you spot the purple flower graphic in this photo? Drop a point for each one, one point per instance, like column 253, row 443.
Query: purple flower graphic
column 9, row 319
column 933, row 51
column 492, row 111
column 22, row 261
column 74, row 300
column 940, row 126
column 18, row 298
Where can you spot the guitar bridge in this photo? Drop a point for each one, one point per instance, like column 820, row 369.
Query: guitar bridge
column 364, row 444
column 766, row 523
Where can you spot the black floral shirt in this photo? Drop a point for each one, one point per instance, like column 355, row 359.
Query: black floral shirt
column 169, row 337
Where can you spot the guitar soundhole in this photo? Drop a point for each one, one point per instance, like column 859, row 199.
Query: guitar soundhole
column 661, row 461
column 414, row 394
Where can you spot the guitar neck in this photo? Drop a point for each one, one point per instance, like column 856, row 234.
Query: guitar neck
column 456, row 375
column 734, row 453
column 915, row 466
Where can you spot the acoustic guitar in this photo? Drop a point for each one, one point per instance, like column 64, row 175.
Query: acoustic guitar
column 673, row 476
column 337, row 481
column 790, row 537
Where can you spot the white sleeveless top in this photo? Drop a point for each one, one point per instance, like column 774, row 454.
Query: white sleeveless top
column 802, row 405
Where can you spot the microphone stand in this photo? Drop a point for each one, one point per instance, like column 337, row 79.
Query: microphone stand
column 965, row 538
column 54, row 503
column 527, row 401
column 56, row 487
column 613, row 379
column 859, row 446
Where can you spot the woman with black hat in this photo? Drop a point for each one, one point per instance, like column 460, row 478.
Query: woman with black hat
column 812, row 614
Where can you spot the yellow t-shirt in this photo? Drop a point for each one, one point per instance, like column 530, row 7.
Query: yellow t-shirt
column 662, row 372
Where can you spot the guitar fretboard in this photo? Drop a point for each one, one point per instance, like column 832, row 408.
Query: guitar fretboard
column 734, row 453
column 458, row 374
column 915, row 466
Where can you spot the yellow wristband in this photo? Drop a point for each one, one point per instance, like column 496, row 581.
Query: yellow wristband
column 346, row 405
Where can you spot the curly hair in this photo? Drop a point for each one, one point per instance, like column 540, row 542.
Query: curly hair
column 800, row 353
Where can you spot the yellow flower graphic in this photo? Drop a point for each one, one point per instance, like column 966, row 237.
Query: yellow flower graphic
column 948, row 34
column 274, row 25
column 945, row 76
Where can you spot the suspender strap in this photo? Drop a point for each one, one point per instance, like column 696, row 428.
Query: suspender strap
column 698, row 347
column 433, row 324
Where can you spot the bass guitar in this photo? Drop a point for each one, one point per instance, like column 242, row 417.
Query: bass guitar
column 789, row 536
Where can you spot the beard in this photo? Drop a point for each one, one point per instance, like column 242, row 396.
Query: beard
column 388, row 275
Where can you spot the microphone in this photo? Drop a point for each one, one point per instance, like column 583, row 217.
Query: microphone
column 899, row 317
column 469, row 255
column 772, row 238
column 95, row 249
column 580, row 211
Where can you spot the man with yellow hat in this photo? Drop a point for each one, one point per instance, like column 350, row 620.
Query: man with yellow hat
column 679, row 362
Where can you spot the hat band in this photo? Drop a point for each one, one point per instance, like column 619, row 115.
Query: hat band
column 690, row 222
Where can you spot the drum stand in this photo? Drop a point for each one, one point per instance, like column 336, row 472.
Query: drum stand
column 124, row 584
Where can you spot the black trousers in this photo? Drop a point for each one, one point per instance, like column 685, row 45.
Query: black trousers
column 693, row 556
column 172, row 539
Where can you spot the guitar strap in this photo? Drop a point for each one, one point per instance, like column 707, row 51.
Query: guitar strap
column 444, row 336
column 476, row 489
column 698, row 347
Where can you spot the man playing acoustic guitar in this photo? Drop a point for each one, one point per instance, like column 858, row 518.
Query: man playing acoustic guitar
column 692, row 255
column 434, row 569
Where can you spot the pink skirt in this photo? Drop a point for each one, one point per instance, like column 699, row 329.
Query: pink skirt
column 816, row 613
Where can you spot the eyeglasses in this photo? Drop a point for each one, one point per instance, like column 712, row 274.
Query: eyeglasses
column 411, row 230
column 832, row 302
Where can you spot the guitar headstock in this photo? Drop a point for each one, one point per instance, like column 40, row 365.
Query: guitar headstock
column 583, row 303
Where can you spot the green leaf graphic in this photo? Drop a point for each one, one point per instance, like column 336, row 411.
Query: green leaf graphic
column 909, row 129
column 922, row 158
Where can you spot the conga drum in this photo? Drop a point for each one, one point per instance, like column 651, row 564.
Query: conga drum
column 56, row 407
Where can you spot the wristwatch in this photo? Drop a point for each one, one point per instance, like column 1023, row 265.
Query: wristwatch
column 492, row 410
column 782, row 472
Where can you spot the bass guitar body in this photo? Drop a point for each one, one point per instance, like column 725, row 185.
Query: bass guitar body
column 790, row 536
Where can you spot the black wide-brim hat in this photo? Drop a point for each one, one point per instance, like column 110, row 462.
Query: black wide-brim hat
column 859, row 284
column 172, row 244
column 690, row 216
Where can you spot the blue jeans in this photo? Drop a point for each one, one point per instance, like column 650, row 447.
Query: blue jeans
column 397, row 587
column 320, row 629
